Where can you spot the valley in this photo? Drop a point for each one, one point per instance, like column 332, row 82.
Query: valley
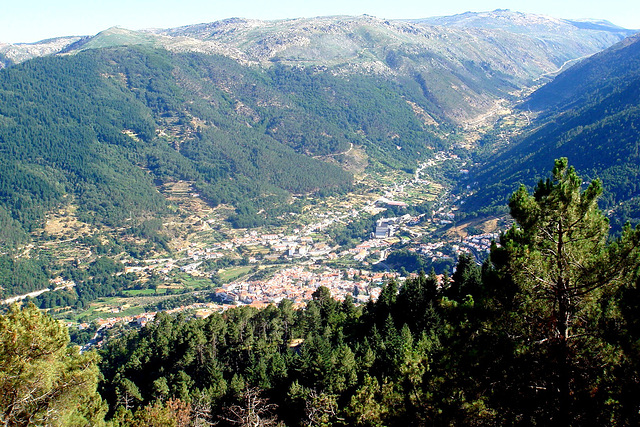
column 210, row 266
column 192, row 242
column 340, row 220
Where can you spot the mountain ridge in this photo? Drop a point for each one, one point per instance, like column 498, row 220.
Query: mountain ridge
column 462, row 70
column 515, row 20
column 231, row 105
column 588, row 113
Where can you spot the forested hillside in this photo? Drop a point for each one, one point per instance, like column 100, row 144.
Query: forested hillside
column 541, row 334
column 462, row 63
column 101, row 128
column 231, row 105
column 591, row 114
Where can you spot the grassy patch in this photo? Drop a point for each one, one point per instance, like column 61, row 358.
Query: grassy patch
column 257, row 250
column 131, row 311
column 232, row 274
column 190, row 281
column 139, row 292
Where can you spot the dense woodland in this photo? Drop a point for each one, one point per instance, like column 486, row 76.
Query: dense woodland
column 543, row 333
column 589, row 114
column 102, row 128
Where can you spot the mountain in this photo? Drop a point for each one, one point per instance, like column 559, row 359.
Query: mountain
column 102, row 128
column 16, row 53
column 230, row 106
column 590, row 114
column 461, row 69
column 539, row 26
column 580, row 37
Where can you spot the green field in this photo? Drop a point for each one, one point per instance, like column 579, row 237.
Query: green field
column 144, row 292
column 234, row 273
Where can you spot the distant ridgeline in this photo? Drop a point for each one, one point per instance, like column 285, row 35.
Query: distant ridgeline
column 113, row 115
column 103, row 127
column 590, row 114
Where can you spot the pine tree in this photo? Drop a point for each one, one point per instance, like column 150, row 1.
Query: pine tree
column 43, row 381
column 560, row 256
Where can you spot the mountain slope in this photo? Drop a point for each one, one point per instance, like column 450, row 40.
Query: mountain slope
column 539, row 26
column 101, row 128
column 590, row 114
column 594, row 78
column 11, row 54
column 461, row 68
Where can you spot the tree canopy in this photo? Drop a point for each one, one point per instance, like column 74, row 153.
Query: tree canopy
column 43, row 381
column 545, row 332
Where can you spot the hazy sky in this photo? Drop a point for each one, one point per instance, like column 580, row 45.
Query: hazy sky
column 33, row 20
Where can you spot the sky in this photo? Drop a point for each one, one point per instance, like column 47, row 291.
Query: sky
column 25, row 21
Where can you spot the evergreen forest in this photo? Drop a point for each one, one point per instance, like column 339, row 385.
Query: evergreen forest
column 103, row 128
column 545, row 332
column 589, row 114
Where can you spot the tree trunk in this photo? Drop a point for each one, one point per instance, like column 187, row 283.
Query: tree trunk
column 562, row 315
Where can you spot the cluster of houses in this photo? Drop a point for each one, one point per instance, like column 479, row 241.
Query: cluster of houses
column 434, row 250
column 299, row 283
column 296, row 284
column 478, row 243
